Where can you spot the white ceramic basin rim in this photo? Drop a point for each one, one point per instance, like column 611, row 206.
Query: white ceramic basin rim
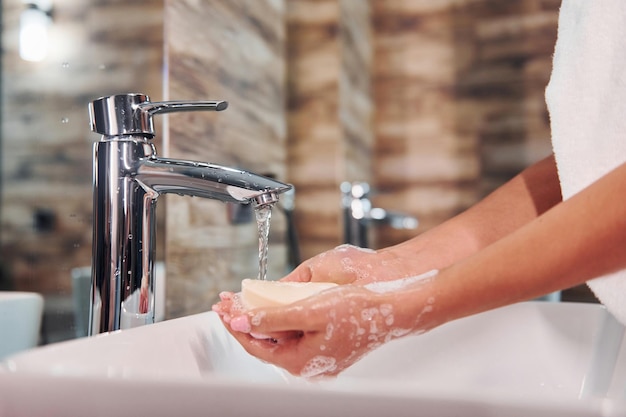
column 527, row 359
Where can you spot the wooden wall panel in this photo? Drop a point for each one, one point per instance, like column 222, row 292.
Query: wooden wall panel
column 95, row 49
column 330, row 111
column 459, row 99
column 433, row 102
column 230, row 50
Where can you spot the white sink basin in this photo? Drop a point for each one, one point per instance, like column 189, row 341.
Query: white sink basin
column 529, row 359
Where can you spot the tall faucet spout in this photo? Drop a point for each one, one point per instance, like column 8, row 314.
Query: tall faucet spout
column 207, row 180
column 128, row 179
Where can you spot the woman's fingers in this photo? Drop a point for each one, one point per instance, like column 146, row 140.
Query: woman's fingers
column 275, row 319
column 302, row 273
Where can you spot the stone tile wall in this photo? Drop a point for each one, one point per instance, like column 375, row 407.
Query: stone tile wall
column 330, row 135
column 238, row 56
column 459, row 92
column 433, row 102
column 95, row 49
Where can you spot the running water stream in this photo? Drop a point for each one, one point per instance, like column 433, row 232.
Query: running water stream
column 263, row 216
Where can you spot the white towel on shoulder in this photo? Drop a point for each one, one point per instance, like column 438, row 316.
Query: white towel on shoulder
column 587, row 102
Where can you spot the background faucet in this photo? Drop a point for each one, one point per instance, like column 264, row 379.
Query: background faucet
column 359, row 215
column 128, row 178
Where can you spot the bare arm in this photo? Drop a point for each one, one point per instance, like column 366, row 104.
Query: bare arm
column 577, row 240
column 525, row 247
column 516, row 203
column 570, row 243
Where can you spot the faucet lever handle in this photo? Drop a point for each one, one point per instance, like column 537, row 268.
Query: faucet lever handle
column 131, row 114
column 180, row 106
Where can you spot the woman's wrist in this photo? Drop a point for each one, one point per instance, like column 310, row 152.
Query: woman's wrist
column 412, row 301
column 437, row 248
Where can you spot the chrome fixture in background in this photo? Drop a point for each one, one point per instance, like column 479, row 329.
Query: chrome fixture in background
column 359, row 215
column 128, row 178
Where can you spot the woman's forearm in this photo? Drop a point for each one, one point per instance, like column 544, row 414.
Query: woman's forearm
column 577, row 240
column 516, row 203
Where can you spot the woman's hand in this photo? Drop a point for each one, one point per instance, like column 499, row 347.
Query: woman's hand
column 325, row 333
column 347, row 264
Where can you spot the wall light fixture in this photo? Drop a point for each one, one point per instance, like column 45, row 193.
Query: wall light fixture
column 35, row 20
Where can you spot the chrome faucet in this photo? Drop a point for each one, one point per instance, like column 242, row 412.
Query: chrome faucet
column 128, row 178
column 358, row 214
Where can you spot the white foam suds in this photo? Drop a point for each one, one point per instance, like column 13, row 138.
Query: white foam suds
column 374, row 345
column 373, row 327
column 318, row 365
column 368, row 313
column 346, row 247
column 386, row 309
column 396, row 333
column 348, row 266
column 256, row 319
column 382, row 287
column 237, row 304
column 329, row 331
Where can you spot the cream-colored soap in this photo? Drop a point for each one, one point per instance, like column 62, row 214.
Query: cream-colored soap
column 257, row 293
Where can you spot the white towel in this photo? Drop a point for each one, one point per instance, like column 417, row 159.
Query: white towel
column 587, row 102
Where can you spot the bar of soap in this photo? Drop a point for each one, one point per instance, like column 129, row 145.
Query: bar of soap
column 257, row 293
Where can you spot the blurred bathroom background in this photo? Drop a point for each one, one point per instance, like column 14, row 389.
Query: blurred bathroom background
column 434, row 103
